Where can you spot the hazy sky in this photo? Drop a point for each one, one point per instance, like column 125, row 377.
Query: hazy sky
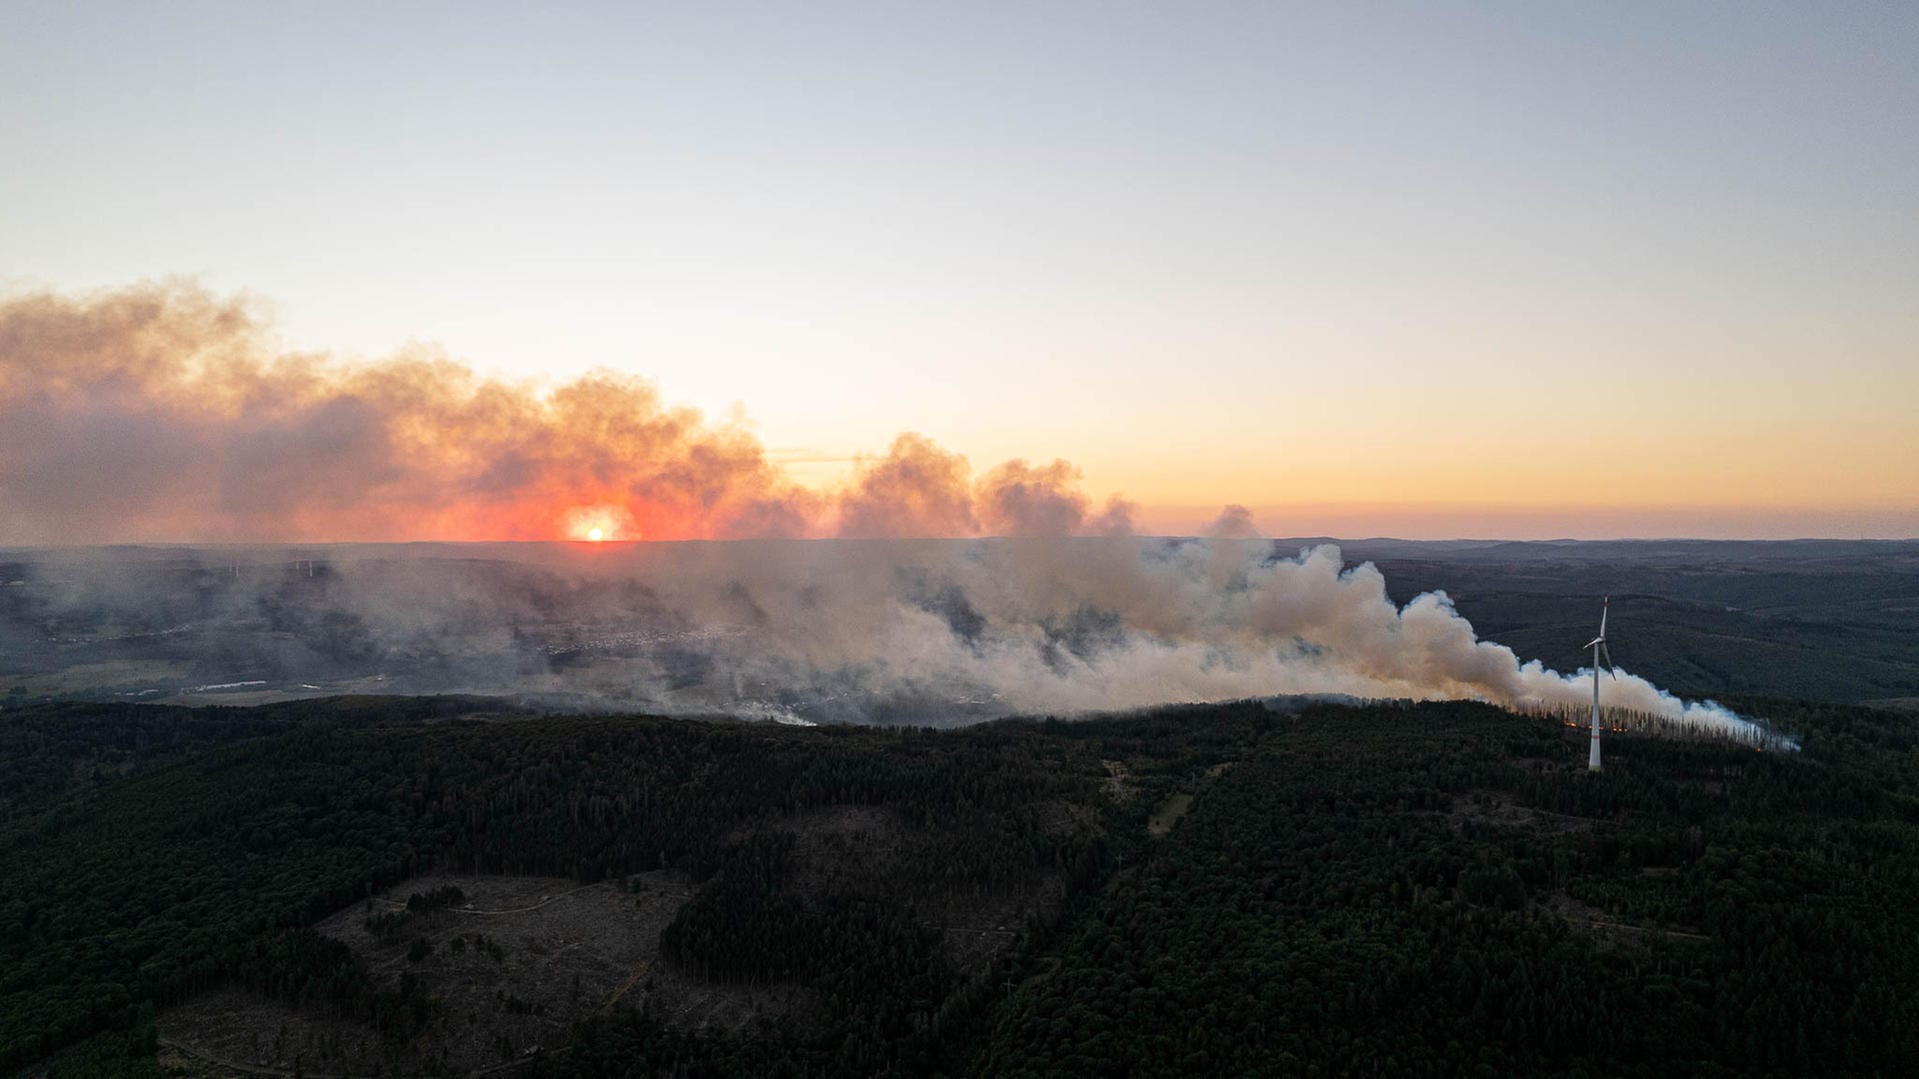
column 1528, row 269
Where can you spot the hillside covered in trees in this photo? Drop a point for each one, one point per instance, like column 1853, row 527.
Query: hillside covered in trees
column 1426, row 889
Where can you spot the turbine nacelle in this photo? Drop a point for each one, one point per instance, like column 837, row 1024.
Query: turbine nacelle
column 1599, row 643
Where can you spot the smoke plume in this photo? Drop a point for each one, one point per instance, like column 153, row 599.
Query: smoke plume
column 162, row 413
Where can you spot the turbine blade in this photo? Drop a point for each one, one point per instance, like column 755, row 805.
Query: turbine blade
column 1594, row 641
column 1611, row 667
column 1605, row 604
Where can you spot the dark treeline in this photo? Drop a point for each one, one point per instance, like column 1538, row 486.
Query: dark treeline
column 118, row 900
column 1414, row 890
column 52, row 750
column 1372, row 895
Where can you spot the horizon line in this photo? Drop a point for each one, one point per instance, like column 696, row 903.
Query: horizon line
column 627, row 543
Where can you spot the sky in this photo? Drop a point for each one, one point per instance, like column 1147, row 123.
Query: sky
column 1523, row 270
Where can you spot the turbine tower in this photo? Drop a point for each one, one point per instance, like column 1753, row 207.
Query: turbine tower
column 1598, row 644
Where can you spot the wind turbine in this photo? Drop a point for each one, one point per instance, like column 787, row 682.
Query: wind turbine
column 1598, row 645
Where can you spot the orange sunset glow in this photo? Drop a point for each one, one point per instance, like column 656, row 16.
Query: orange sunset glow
column 187, row 411
column 802, row 290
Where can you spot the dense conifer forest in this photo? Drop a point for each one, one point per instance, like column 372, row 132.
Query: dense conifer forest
column 1429, row 889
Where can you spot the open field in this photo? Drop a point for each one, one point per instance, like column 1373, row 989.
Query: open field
column 512, row 968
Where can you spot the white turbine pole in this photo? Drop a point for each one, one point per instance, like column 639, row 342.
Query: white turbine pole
column 1592, row 755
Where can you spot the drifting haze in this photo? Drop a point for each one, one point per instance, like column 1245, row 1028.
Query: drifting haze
column 925, row 631
column 165, row 413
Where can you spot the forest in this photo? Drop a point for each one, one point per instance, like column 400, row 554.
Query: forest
column 1433, row 889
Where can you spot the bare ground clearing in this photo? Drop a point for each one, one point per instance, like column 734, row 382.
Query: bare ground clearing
column 511, row 970
column 518, row 961
column 1595, row 922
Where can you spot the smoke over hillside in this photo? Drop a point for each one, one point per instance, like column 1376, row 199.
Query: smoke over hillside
column 163, row 413
column 929, row 631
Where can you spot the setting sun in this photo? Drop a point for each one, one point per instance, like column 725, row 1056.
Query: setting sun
column 598, row 524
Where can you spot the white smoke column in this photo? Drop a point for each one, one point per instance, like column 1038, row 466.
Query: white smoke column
column 917, row 630
column 163, row 412
column 1062, row 624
